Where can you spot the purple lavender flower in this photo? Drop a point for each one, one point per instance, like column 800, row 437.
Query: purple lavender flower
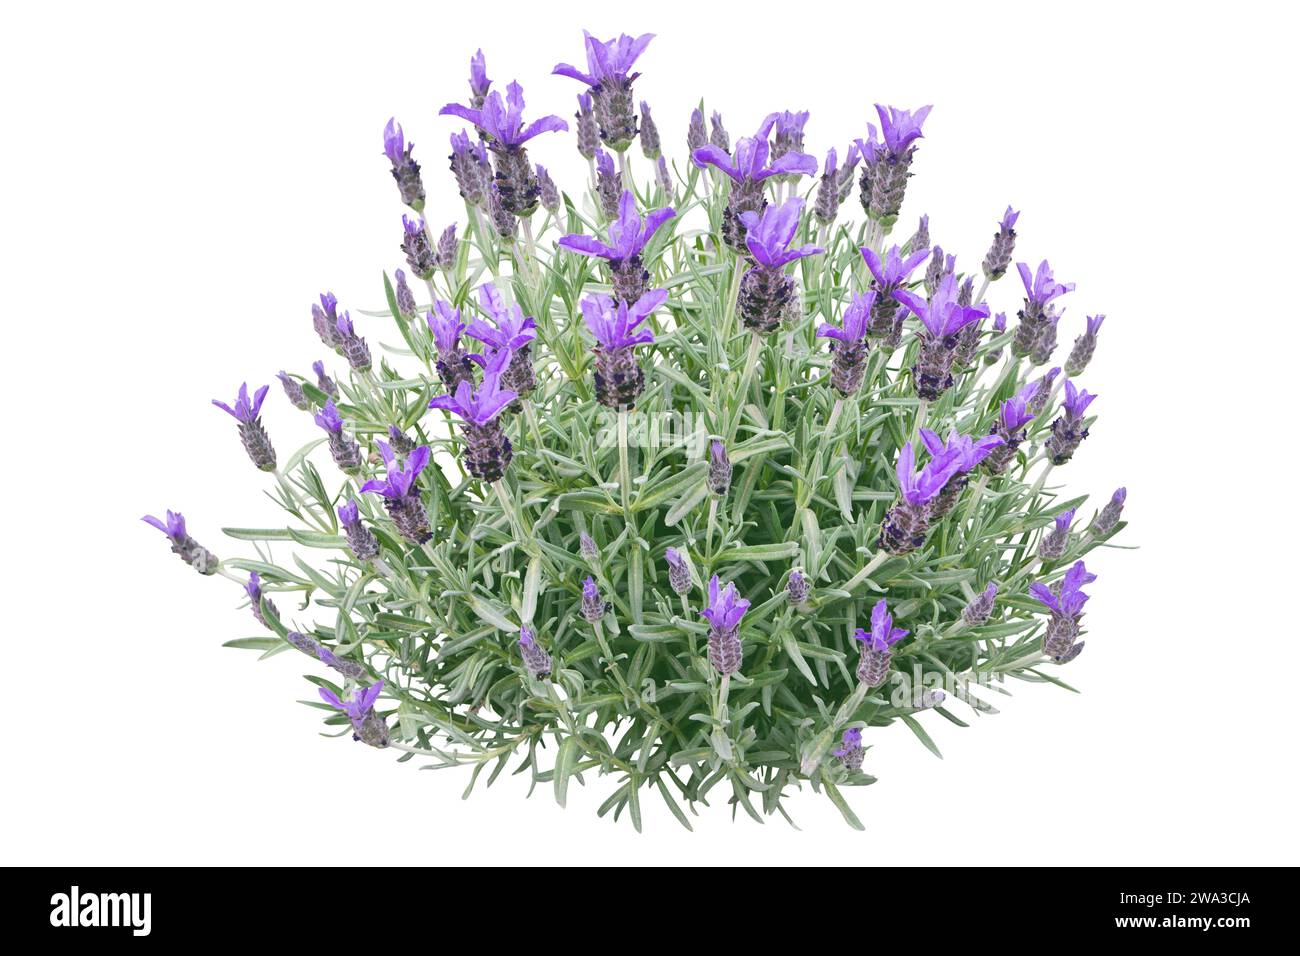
column 718, row 133
column 593, row 605
column 886, row 165
column 345, row 666
column 401, row 493
column 550, row 193
column 415, row 243
column 787, row 134
column 406, row 171
column 748, row 172
column 479, row 84
column 850, row 345
column 876, row 644
column 662, row 178
column 323, row 381
column 325, row 319
column 920, row 239
column 939, row 267
column 942, row 318
column 452, row 364
column 1045, row 344
column 536, row 660
column 1068, row 430
column 1044, row 392
column 444, row 255
column 1065, row 602
column 1013, row 416
column 367, row 726
column 628, row 236
column 1105, row 522
column 501, row 120
column 977, row 611
column 619, row 379
column 998, row 258
column 587, row 547
column 719, row 477
column 765, row 289
column 469, row 164
column 907, row 521
column 256, row 601
column 293, row 391
column 511, row 331
column 1056, row 541
column 354, row 346
column 402, row 293
column 609, row 184
column 609, row 63
column 679, row 574
column 650, row 144
column 797, row 589
column 401, row 444
column 503, row 220
column 965, row 454
column 588, row 131
column 362, row 542
column 1041, row 288
column 1084, row 346
column 190, row 551
column 487, row 450
column 850, row 751
column 888, row 276
column 835, row 185
column 696, row 135
column 248, row 413
column 724, row 613
column 999, row 326
column 343, row 449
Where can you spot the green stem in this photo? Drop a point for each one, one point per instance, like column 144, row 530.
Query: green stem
column 624, row 472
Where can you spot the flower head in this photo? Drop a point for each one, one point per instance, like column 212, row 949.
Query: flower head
column 768, row 234
column 511, row 329
column 1041, row 287
column 614, row 324
column 395, row 147
column 883, row 635
column 246, row 410
column 628, row 234
column 173, row 527
column 1009, row 220
column 446, row 326
column 1069, row 599
column 607, row 59
column 894, row 270
column 725, row 608
column 900, row 128
column 1015, row 412
column 851, row 741
column 1076, row 400
column 478, row 406
column 942, row 315
column 349, row 513
column 962, row 451
column 400, row 478
column 751, row 158
column 918, row 487
column 501, row 119
column 359, row 706
column 479, row 84
column 853, row 327
column 329, row 418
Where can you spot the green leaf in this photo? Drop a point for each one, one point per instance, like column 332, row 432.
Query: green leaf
column 565, row 761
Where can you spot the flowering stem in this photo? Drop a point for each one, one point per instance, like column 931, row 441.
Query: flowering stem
column 918, row 422
column 624, row 472
column 879, row 558
column 979, row 296
column 975, row 495
column 746, row 378
column 713, row 520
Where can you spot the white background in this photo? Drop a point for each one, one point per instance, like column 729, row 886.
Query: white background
column 179, row 184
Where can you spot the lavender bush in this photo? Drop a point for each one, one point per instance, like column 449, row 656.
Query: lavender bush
column 681, row 476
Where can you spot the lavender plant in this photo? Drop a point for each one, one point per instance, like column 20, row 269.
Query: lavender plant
column 650, row 482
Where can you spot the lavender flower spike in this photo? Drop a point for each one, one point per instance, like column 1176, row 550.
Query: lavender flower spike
column 191, row 552
column 256, row 601
column 1013, row 416
column 886, row 165
column 293, row 391
column 679, row 575
column 401, row 493
column 403, row 294
column 999, row 326
column 549, row 195
column 696, row 134
column 609, row 63
column 452, row 363
column 876, row 644
column 1065, row 602
column 588, row 131
column 469, row 164
column 323, row 381
column 787, row 134
column 587, row 547
column 343, row 449
column 619, row 379
column 964, row 454
column 1040, row 398
column 325, row 319
column 487, row 451
column 998, row 258
column 718, row 133
column 724, row 613
column 361, row 540
column 609, row 184
column 1105, row 522
column 248, row 413
column 977, row 612
column 943, row 317
column 719, row 476
column 1084, row 346
column 850, row 751
column 650, row 144
column 765, row 289
column 1055, row 542
column 748, row 172
column 1041, row 289
column 354, row 346
column 367, row 726
column 797, row 589
column 501, row 120
column 593, row 605
column 835, row 185
column 415, row 244
column 406, row 171
column 850, row 345
column 628, row 236
column 907, row 522
column 535, row 657
column 444, row 255
column 511, row 331
column 1068, row 430
column 888, row 276
column 479, row 84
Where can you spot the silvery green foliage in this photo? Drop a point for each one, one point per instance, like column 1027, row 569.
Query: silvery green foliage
column 740, row 456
